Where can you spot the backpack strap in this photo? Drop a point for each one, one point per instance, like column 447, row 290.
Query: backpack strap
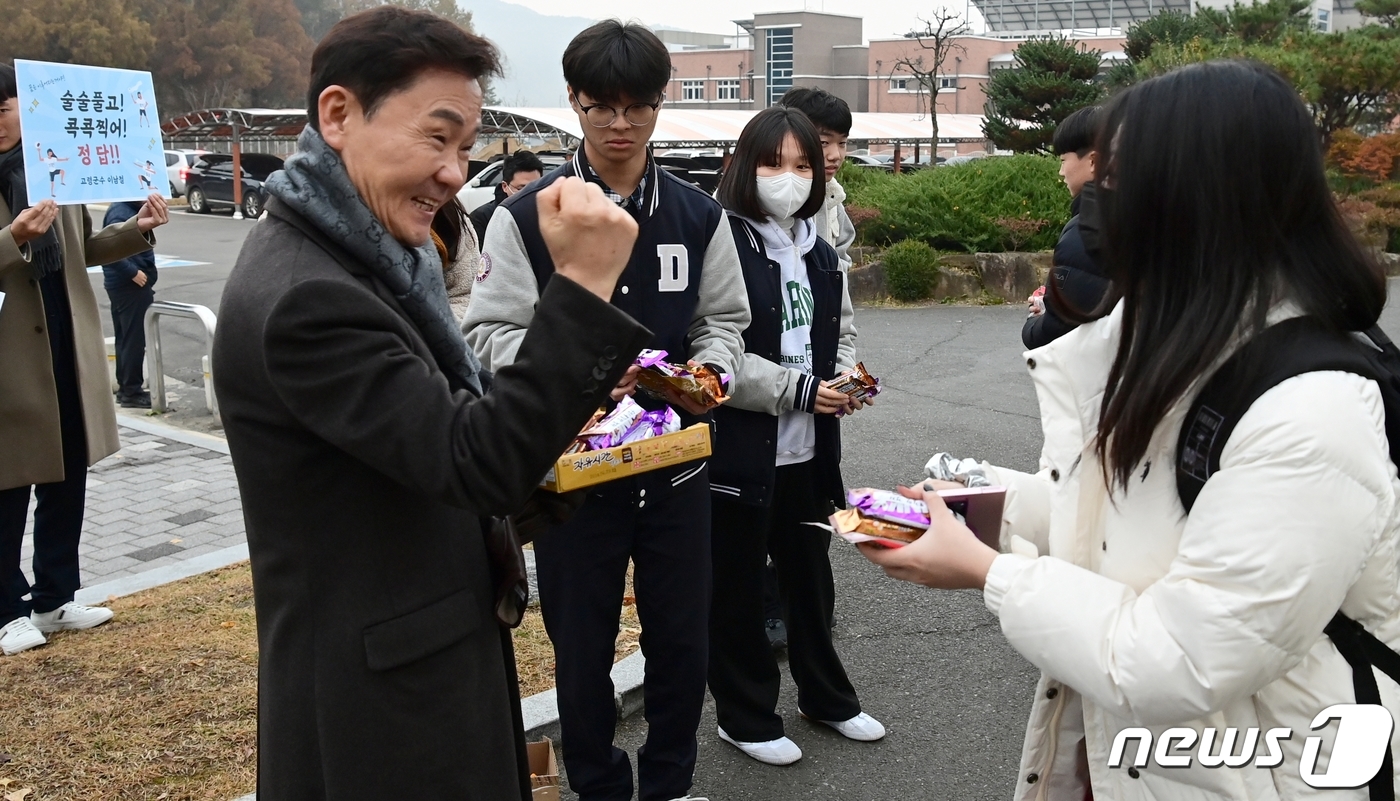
column 1362, row 650
column 1282, row 351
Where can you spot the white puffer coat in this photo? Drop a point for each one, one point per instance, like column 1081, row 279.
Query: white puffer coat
column 1139, row 616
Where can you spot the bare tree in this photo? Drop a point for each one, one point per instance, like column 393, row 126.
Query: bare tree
column 938, row 41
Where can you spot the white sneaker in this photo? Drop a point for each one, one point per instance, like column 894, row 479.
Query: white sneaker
column 781, row 751
column 70, row 617
column 862, row 727
column 19, row 635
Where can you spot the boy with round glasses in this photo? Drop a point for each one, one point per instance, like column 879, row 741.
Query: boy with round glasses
column 684, row 283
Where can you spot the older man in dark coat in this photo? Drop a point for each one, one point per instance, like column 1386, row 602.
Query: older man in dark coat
column 366, row 442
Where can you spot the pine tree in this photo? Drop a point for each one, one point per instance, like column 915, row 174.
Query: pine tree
column 1051, row 79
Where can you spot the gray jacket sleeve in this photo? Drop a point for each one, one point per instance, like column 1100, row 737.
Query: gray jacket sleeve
column 504, row 300
column 722, row 310
column 846, row 339
column 845, row 237
column 762, row 386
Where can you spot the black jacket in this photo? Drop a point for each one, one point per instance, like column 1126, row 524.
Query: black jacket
column 364, row 478
column 1077, row 280
column 745, row 447
column 117, row 275
column 481, row 215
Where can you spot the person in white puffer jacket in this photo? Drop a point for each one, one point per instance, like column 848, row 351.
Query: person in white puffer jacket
column 1137, row 614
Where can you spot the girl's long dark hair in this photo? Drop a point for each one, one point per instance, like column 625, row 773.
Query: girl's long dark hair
column 1218, row 207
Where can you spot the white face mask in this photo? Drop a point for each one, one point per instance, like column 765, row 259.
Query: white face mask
column 782, row 195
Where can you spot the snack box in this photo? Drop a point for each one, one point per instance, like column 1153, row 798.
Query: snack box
column 544, row 770
column 576, row 470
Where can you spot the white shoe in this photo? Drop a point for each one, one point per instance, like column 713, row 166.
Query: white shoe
column 19, row 635
column 71, row 617
column 862, row 727
column 781, row 751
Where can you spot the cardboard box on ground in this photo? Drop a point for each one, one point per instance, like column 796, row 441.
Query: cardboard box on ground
column 544, row 770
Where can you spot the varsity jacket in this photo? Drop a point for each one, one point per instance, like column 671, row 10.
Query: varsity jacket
column 683, row 281
column 742, row 465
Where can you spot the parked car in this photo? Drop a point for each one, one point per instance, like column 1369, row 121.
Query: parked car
column 691, row 170
column 956, row 160
column 867, row 162
column 481, row 189
column 209, row 184
column 177, row 168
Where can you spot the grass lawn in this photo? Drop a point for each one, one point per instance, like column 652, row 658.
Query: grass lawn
column 161, row 703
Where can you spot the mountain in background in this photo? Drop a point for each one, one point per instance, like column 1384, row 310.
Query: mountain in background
column 532, row 44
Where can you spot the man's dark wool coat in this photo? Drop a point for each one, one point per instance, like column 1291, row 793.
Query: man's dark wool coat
column 382, row 669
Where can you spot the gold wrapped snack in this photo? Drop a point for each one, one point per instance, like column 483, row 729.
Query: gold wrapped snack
column 697, row 382
column 851, row 521
column 856, row 383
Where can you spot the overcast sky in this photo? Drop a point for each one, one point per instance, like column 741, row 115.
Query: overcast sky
column 883, row 18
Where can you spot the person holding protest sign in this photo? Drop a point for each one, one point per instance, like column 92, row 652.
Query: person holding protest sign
column 56, row 413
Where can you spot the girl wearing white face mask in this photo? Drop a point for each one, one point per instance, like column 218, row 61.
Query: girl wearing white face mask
column 775, row 470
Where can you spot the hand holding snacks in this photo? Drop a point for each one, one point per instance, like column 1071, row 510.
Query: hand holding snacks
column 893, row 519
column 696, row 383
column 857, row 384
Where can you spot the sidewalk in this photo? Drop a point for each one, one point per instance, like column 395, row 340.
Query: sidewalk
column 166, row 497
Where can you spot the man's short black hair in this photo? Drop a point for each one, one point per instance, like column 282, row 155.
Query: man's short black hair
column 615, row 59
column 522, row 161
column 379, row 52
column 8, row 87
column 761, row 145
column 825, row 110
column 1075, row 134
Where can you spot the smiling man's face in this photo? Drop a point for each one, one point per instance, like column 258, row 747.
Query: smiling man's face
column 409, row 157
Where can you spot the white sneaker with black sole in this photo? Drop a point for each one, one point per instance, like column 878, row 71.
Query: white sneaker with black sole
column 71, row 617
column 19, row 635
column 781, row 751
column 862, row 727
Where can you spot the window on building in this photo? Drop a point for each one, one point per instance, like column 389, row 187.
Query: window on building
column 779, row 53
column 728, row 89
column 692, row 90
column 947, row 83
column 903, row 84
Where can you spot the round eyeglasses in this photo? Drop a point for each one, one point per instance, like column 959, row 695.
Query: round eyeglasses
column 637, row 114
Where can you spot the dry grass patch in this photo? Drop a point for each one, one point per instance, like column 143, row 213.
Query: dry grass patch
column 161, row 703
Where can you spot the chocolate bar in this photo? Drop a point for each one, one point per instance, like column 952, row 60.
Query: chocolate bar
column 856, row 383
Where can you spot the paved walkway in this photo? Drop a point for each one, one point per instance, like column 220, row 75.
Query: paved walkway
column 162, row 499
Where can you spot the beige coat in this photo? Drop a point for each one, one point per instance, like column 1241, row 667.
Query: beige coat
column 31, row 450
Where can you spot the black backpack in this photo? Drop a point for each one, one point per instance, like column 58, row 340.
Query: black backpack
column 1290, row 348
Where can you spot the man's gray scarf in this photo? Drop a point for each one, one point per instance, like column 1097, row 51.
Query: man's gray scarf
column 315, row 184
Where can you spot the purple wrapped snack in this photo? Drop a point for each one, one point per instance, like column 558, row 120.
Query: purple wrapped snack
column 653, row 424
column 648, row 358
column 609, row 431
column 889, row 506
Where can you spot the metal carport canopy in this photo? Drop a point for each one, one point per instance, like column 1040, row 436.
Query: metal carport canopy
column 680, row 127
column 217, row 123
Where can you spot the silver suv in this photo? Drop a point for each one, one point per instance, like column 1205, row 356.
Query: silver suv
column 177, row 168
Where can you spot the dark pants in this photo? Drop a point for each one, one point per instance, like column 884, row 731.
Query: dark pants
column 129, row 322
column 582, row 565
column 743, row 671
column 58, row 517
